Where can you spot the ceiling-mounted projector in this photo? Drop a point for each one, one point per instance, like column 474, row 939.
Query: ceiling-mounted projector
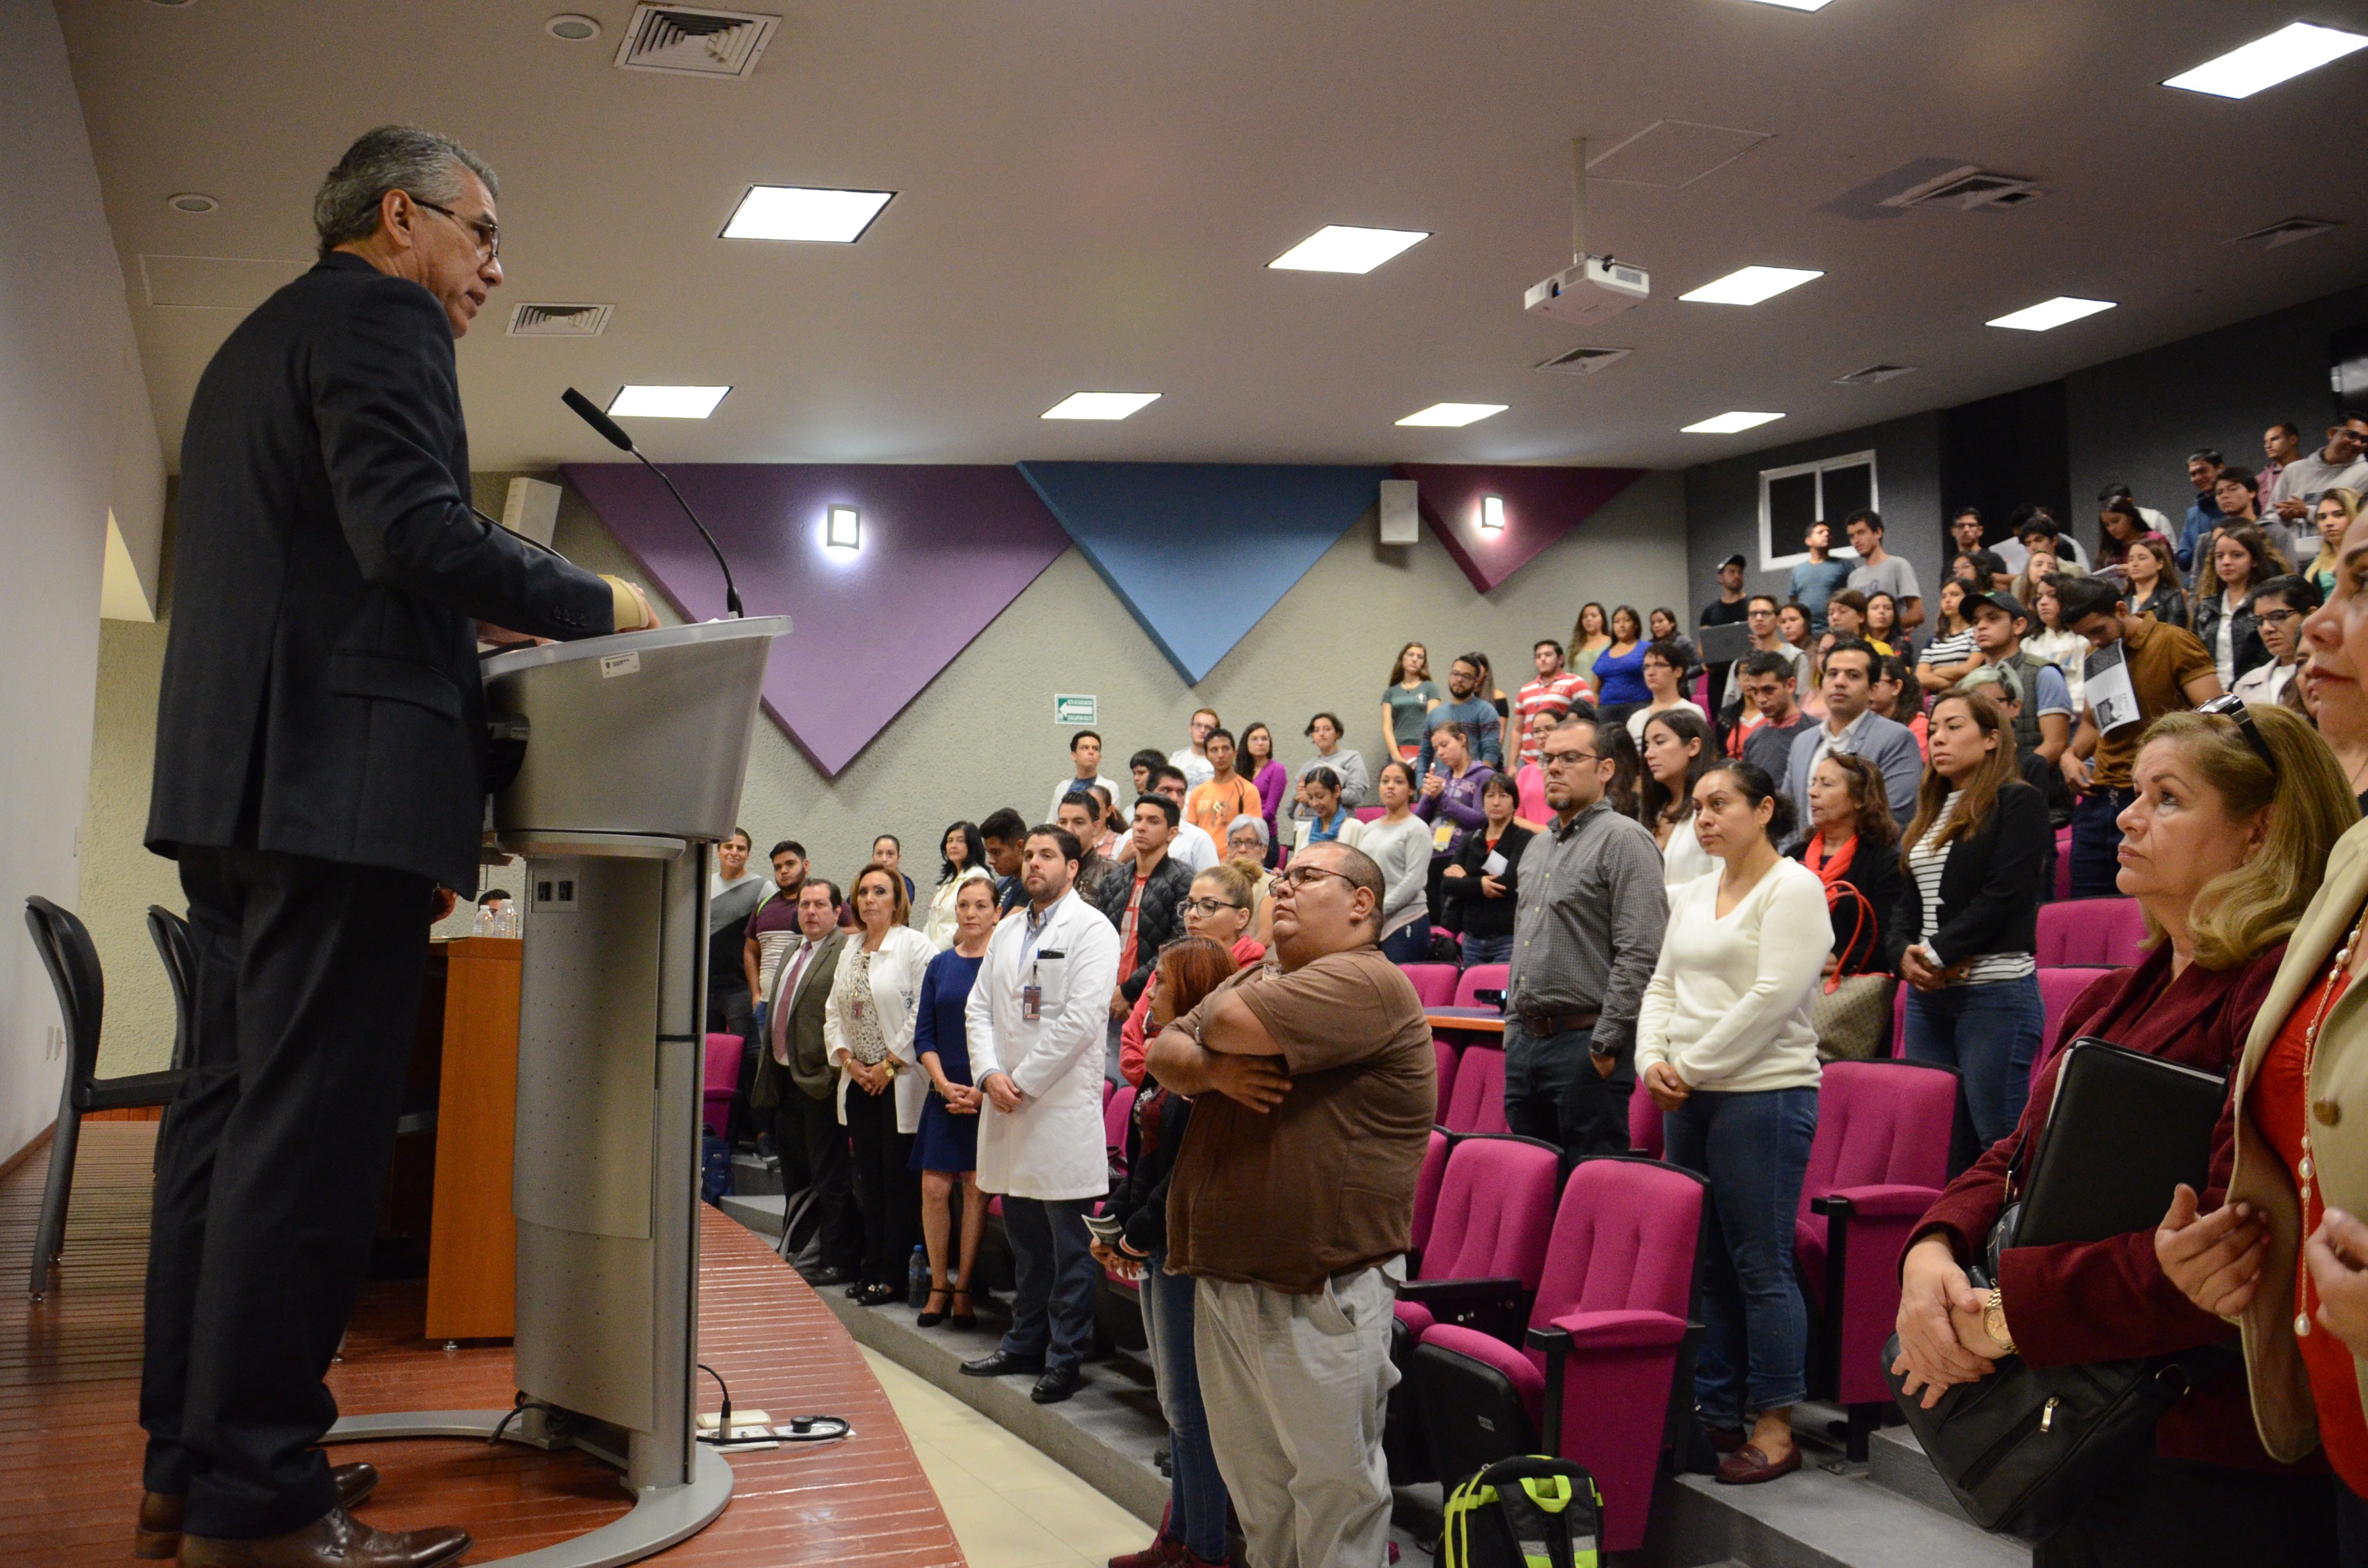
column 1596, row 290
column 1593, row 288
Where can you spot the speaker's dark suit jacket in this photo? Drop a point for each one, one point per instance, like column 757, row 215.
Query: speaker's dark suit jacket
column 320, row 694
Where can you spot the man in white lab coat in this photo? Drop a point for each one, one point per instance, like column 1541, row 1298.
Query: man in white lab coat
column 1035, row 1022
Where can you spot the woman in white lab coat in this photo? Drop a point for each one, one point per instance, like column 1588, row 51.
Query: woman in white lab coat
column 867, row 1033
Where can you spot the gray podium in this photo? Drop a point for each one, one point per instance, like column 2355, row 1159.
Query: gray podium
column 635, row 747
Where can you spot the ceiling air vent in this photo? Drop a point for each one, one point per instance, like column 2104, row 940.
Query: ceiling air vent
column 1867, row 376
column 559, row 321
column 1968, row 189
column 2286, row 232
column 1583, row 361
column 693, row 40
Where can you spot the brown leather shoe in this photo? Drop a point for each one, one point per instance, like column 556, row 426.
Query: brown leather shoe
column 158, row 1535
column 336, row 1540
column 1744, row 1467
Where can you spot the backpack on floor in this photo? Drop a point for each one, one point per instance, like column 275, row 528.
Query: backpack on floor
column 1533, row 1512
column 715, row 1168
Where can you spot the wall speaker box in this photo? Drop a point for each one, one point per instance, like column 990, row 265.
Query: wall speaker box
column 533, row 509
column 1401, row 523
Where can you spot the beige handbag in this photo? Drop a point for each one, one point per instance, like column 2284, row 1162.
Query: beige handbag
column 1852, row 1012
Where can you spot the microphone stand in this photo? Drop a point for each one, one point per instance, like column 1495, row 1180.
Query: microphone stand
column 614, row 434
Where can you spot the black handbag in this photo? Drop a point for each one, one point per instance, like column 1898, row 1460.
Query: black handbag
column 2021, row 1448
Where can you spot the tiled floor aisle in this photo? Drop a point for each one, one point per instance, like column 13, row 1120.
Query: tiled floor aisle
column 1010, row 1505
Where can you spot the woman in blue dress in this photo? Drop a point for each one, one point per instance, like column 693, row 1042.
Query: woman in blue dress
column 947, row 1147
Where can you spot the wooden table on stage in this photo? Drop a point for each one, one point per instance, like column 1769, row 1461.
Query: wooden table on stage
column 472, row 1240
column 1472, row 1020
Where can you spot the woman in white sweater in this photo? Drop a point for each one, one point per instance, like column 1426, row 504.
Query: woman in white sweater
column 868, row 1035
column 1725, row 1048
column 1399, row 843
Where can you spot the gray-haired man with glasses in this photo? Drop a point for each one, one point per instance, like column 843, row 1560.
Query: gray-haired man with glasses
column 1586, row 930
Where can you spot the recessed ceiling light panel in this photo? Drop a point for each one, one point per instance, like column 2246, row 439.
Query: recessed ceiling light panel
column 2049, row 315
column 2264, row 63
column 1336, row 247
column 1728, row 424
column 1455, row 414
column 666, row 402
column 1751, row 285
column 1799, row 5
column 804, row 212
column 1100, row 406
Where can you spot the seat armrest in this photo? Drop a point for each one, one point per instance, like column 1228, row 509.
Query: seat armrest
column 1494, row 1306
column 1888, row 1201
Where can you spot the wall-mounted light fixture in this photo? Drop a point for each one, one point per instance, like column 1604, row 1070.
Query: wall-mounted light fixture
column 843, row 529
column 1492, row 514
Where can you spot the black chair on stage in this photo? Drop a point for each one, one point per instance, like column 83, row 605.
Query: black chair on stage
column 68, row 954
column 178, row 951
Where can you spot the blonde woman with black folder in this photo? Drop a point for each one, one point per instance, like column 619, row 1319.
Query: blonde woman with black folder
column 2235, row 816
column 2287, row 1256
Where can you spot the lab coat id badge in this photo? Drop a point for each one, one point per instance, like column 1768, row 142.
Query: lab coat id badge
column 1043, row 986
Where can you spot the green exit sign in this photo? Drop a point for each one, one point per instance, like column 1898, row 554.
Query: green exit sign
column 1072, row 710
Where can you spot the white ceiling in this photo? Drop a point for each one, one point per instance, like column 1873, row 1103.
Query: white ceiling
column 1090, row 190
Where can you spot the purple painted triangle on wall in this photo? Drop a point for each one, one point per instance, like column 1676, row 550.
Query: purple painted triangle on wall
column 1540, row 505
column 945, row 549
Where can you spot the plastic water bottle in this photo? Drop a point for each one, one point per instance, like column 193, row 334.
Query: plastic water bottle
column 917, row 1279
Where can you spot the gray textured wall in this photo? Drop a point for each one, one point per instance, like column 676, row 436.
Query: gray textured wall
column 1723, row 503
column 981, row 734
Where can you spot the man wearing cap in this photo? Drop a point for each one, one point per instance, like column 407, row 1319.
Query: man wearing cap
column 1728, row 609
column 2042, row 715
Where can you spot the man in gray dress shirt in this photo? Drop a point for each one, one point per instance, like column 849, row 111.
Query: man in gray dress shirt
column 1587, row 931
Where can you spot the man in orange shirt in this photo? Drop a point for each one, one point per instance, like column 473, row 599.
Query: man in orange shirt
column 1212, row 807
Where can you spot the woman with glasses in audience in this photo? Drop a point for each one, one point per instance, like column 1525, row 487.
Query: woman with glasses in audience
column 1725, row 1048
column 1407, row 700
column 1399, row 843
column 1663, row 626
column 1193, row 1533
column 868, row 1026
column 1479, row 887
column 2151, row 571
column 1326, row 814
column 945, row 1150
column 1588, row 638
column 1619, row 687
column 2332, row 516
column 1218, row 910
column 1853, row 846
column 1964, row 931
column 1677, row 753
column 2242, row 559
column 1246, row 850
column 961, row 852
column 1664, row 674
column 2234, row 817
column 2279, row 607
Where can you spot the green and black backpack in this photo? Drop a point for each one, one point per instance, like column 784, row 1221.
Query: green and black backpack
column 1533, row 1512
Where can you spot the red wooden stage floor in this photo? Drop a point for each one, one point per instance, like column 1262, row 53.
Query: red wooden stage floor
column 70, row 1441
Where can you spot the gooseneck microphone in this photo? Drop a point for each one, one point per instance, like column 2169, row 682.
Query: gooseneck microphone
column 614, row 434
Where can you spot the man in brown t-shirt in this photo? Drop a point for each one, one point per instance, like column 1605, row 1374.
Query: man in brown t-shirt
column 1316, row 1088
column 2162, row 669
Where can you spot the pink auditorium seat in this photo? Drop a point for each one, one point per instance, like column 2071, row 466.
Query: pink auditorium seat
column 1434, row 983
column 1487, row 1239
column 2098, row 932
column 1594, row 1371
column 1880, row 1161
column 1644, row 1139
column 1479, row 1102
column 1425, row 1187
column 1371, row 813
column 722, row 1077
column 1478, row 978
column 2063, row 863
column 1447, row 1060
column 1115, row 1110
column 2058, row 989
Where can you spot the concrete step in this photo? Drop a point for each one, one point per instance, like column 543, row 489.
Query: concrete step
column 761, row 1212
column 754, row 1175
column 1816, row 1519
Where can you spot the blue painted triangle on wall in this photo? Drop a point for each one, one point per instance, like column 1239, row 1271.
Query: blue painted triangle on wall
column 1200, row 552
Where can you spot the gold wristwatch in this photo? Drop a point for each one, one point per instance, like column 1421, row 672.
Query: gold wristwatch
column 1993, row 1321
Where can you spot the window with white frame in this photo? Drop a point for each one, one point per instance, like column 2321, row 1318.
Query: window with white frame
column 1825, row 490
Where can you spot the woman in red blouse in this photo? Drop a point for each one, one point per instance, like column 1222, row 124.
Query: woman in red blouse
column 2222, row 848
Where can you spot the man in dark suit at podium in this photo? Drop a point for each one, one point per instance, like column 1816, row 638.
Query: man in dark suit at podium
column 320, row 772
